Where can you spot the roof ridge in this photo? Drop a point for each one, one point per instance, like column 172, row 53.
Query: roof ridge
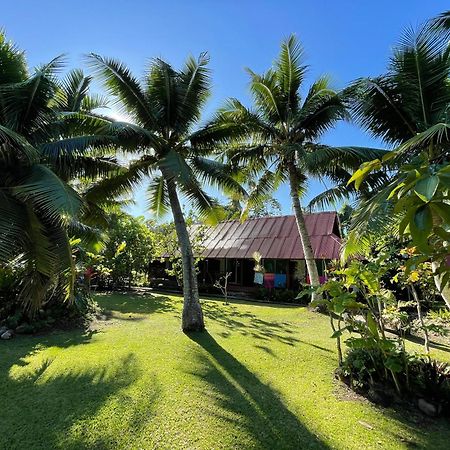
column 279, row 216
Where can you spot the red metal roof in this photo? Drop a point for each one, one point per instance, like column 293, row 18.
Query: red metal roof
column 273, row 237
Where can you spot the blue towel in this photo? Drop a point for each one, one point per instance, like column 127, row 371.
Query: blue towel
column 280, row 280
column 259, row 278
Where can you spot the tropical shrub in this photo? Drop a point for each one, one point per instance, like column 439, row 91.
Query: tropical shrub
column 364, row 369
column 362, row 311
column 166, row 246
column 431, row 380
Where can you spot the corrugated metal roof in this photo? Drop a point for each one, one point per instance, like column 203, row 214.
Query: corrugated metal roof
column 273, row 237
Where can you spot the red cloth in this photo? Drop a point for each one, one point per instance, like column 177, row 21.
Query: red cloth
column 322, row 279
column 269, row 280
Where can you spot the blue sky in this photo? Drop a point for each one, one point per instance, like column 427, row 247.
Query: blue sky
column 345, row 39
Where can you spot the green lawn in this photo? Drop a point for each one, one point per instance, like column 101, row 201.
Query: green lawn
column 262, row 377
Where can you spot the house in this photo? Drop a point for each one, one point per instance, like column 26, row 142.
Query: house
column 229, row 247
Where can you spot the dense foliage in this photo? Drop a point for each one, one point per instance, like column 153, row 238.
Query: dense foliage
column 376, row 323
column 44, row 147
column 125, row 256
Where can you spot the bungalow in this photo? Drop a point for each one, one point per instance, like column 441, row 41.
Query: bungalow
column 229, row 247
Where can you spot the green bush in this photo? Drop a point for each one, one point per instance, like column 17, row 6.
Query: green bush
column 365, row 368
column 430, row 380
column 56, row 313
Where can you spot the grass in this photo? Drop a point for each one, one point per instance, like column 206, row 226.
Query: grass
column 260, row 378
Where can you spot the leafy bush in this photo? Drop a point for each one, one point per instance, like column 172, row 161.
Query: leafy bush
column 53, row 313
column 361, row 365
column 365, row 368
column 430, row 379
column 305, row 295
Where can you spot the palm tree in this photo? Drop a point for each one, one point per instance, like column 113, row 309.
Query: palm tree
column 278, row 139
column 39, row 155
column 409, row 109
column 164, row 109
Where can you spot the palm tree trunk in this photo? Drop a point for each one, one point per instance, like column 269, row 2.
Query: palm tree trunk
column 301, row 225
column 192, row 317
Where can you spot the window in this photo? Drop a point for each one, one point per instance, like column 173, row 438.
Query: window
column 281, row 266
column 276, row 265
column 234, row 266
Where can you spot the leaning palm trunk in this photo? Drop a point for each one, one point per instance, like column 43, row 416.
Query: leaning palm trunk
column 192, row 318
column 304, row 236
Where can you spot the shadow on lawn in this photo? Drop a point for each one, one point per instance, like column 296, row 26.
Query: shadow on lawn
column 249, row 324
column 248, row 404
column 45, row 409
column 423, row 432
column 135, row 302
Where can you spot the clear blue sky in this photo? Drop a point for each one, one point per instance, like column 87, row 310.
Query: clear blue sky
column 343, row 38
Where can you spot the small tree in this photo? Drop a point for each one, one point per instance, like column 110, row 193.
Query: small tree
column 129, row 249
column 222, row 284
column 167, row 247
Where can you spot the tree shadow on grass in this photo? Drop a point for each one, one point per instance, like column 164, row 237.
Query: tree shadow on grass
column 249, row 324
column 423, row 432
column 135, row 302
column 247, row 403
column 44, row 408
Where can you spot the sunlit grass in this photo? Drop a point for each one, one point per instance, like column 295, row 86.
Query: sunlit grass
column 262, row 377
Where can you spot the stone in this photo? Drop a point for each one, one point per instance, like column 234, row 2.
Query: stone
column 8, row 334
column 365, row 424
column 3, row 329
column 428, row 408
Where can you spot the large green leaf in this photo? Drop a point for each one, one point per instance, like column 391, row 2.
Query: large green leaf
column 426, row 187
column 48, row 193
column 372, row 325
column 13, row 68
column 157, row 198
column 120, row 83
column 423, row 219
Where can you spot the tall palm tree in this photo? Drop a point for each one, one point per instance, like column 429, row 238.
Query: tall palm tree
column 39, row 155
column 278, row 138
column 408, row 107
column 165, row 109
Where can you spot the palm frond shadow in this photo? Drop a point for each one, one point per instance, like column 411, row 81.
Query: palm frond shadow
column 135, row 302
column 247, row 402
column 249, row 324
column 79, row 392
